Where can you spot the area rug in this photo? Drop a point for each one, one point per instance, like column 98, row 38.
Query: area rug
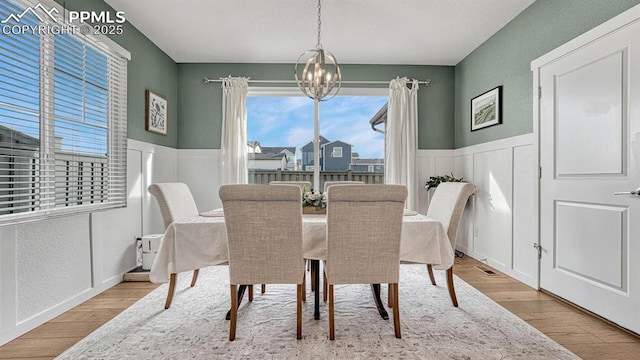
column 195, row 326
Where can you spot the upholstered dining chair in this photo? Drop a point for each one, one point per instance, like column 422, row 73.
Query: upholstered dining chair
column 176, row 202
column 263, row 249
column 447, row 205
column 301, row 184
column 327, row 184
column 364, row 226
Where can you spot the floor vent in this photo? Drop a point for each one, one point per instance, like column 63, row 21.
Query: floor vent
column 486, row 270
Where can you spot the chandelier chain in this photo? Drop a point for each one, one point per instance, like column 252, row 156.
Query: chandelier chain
column 319, row 45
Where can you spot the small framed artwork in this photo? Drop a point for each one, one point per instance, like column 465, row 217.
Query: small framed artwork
column 156, row 113
column 486, row 109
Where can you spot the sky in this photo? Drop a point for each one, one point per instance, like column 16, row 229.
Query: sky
column 288, row 121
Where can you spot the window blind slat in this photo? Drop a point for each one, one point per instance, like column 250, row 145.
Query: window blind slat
column 62, row 141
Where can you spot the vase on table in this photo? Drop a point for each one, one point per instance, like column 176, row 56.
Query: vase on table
column 313, row 210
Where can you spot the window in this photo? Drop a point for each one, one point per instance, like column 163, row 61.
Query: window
column 283, row 118
column 62, row 119
column 337, row 152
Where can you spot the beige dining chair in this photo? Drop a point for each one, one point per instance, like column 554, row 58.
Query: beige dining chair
column 176, row 203
column 447, row 205
column 301, row 184
column 263, row 249
column 327, row 184
column 364, row 226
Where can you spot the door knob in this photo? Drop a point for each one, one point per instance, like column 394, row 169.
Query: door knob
column 636, row 192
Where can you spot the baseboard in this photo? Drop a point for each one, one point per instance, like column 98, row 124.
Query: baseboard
column 49, row 314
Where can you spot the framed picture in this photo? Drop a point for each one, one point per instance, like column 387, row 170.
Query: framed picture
column 156, row 113
column 486, row 109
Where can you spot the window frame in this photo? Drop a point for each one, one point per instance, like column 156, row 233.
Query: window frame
column 335, row 153
column 116, row 139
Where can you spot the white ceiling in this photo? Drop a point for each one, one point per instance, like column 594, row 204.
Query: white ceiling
column 418, row 32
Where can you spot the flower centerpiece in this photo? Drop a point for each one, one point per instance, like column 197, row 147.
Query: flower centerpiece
column 313, row 202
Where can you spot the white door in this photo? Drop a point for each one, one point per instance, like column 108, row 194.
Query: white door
column 589, row 150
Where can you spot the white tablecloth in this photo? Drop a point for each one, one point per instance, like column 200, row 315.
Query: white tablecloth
column 202, row 241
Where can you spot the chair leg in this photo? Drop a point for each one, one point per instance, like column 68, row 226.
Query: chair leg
column 195, row 277
column 390, row 296
column 324, row 287
column 234, row 313
column 332, row 330
column 263, row 288
column 430, row 270
column 304, row 286
column 452, row 290
column 299, row 313
column 172, row 289
column 250, row 288
column 313, row 276
column 396, row 310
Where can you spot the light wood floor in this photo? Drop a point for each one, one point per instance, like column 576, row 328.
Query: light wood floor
column 585, row 335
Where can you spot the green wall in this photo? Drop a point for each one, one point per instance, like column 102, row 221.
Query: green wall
column 200, row 106
column 444, row 109
column 505, row 59
column 149, row 68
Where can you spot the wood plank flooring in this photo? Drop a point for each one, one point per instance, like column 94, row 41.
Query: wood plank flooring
column 585, row 335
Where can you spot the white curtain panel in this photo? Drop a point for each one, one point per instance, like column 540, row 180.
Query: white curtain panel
column 401, row 137
column 234, row 130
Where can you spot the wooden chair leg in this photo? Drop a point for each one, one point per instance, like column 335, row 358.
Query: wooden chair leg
column 332, row 332
column 172, row 289
column 304, row 287
column 390, row 296
column 299, row 313
column 263, row 288
column 430, row 270
column 250, row 288
column 313, row 277
column 195, row 277
column 452, row 290
column 396, row 310
column 324, row 287
column 234, row 313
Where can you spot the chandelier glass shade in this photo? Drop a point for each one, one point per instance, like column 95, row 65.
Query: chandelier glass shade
column 320, row 76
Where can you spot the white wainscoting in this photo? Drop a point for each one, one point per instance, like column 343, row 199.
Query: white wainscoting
column 86, row 254
column 49, row 266
column 200, row 170
column 500, row 224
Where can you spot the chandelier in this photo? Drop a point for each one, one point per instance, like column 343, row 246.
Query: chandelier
column 320, row 77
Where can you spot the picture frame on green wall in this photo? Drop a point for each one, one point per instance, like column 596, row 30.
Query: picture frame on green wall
column 486, row 109
column 155, row 113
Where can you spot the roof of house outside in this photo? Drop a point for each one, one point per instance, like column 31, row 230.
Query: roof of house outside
column 263, row 156
column 323, row 140
column 17, row 137
column 278, row 149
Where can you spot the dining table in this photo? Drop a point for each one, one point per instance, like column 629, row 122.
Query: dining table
column 201, row 241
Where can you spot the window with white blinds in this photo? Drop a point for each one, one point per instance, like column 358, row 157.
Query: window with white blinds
column 63, row 130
